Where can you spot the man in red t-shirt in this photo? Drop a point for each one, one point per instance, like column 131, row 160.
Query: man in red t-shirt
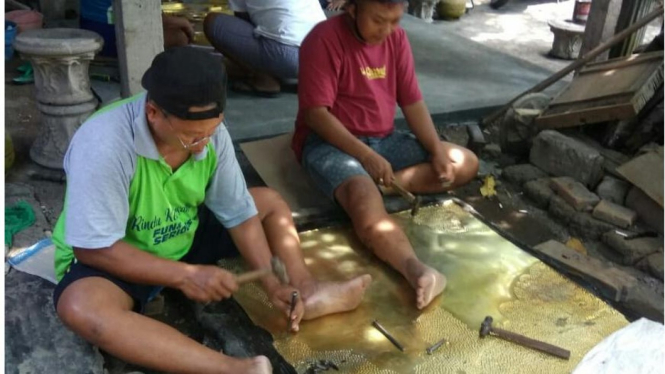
column 354, row 69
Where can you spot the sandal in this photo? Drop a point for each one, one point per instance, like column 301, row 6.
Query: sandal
column 27, row 75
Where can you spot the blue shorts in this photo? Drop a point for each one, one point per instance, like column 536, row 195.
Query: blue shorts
column 212, row 242
column 329, row 167
column 236, row 36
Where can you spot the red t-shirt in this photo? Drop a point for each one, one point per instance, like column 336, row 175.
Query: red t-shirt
column 358, row 83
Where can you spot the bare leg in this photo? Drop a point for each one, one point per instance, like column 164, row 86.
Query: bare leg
column 421, row 178
column 362, row 201
column 320, row 298
column 101, row 313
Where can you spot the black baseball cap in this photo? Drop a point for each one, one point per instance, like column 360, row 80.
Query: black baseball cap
column 182, row 77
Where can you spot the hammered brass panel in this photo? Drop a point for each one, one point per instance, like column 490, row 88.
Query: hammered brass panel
column 487, row 275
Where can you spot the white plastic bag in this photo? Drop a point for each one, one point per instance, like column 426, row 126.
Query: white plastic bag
column 637, row 348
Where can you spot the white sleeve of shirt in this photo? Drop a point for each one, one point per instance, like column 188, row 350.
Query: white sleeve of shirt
column 238, row 5
column 227, row 195
column 99, row 167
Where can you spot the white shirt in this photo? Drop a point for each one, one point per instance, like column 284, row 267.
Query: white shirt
column 286, row 21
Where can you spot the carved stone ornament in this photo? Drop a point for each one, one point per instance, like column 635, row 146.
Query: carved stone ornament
column 60, row 59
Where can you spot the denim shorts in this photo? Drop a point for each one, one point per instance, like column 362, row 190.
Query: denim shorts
column 235, row 35
column 212, row 242
column 329, row 167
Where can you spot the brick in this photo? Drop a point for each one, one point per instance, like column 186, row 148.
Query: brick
column 652, row 264
column 655, row 264
column 561, row 210
column 574, row 193
column 584, row 225
column 614, row 214
column 520, row 174
column 492, row 150
column 539, row 191
column 647, row 210
column 643, row 301
column 613, row 190
column 612, row 282
column 632, row 250
column 559, row 155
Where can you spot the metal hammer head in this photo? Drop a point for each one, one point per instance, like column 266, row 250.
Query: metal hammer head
column 279, row 270
column 416, row 206
column 486, row 327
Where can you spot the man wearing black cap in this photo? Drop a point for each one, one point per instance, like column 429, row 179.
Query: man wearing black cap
column 155, row 196
column 354, row 70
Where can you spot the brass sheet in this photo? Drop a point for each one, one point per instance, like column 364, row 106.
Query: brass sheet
column 487, row 275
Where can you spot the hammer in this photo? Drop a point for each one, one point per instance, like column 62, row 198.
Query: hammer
column 276, row 267
column 487, row 329
column 408, row 196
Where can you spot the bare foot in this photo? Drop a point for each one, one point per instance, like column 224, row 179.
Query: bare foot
column 322, row 298
column 254, row 365
column 427, row 282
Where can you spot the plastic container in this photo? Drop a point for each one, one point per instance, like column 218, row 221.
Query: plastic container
column 451, row 9
column 25, row 19
column 581, row 11
column 10, row 34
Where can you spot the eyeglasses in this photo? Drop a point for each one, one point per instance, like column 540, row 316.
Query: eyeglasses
column 186, row 146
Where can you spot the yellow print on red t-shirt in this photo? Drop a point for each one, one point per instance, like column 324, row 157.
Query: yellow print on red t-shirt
column 374, row 73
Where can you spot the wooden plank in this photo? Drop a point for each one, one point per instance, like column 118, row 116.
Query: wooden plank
column 611, row 281
column 583, row 117
column 646, row 173
column 621, row 63
column 608, row 91
column 610, row 81
column 275, row 162
column 139, row 35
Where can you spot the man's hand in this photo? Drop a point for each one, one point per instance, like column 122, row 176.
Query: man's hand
column 206, row 283
column 443, row 167
column 180, row 23
column 280, row 297
column 378, row 168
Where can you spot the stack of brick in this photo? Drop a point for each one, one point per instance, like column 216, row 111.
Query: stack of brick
column 565, row 177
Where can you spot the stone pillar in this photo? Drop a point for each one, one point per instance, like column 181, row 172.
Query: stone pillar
column 423, row 9
column 60, row 60
column 140, row 37
column 567, row 39
column 601, row 25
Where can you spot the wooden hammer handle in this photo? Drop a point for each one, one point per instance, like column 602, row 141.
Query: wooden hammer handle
column 405, row 194
column 252, row 276
column 531, row 343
